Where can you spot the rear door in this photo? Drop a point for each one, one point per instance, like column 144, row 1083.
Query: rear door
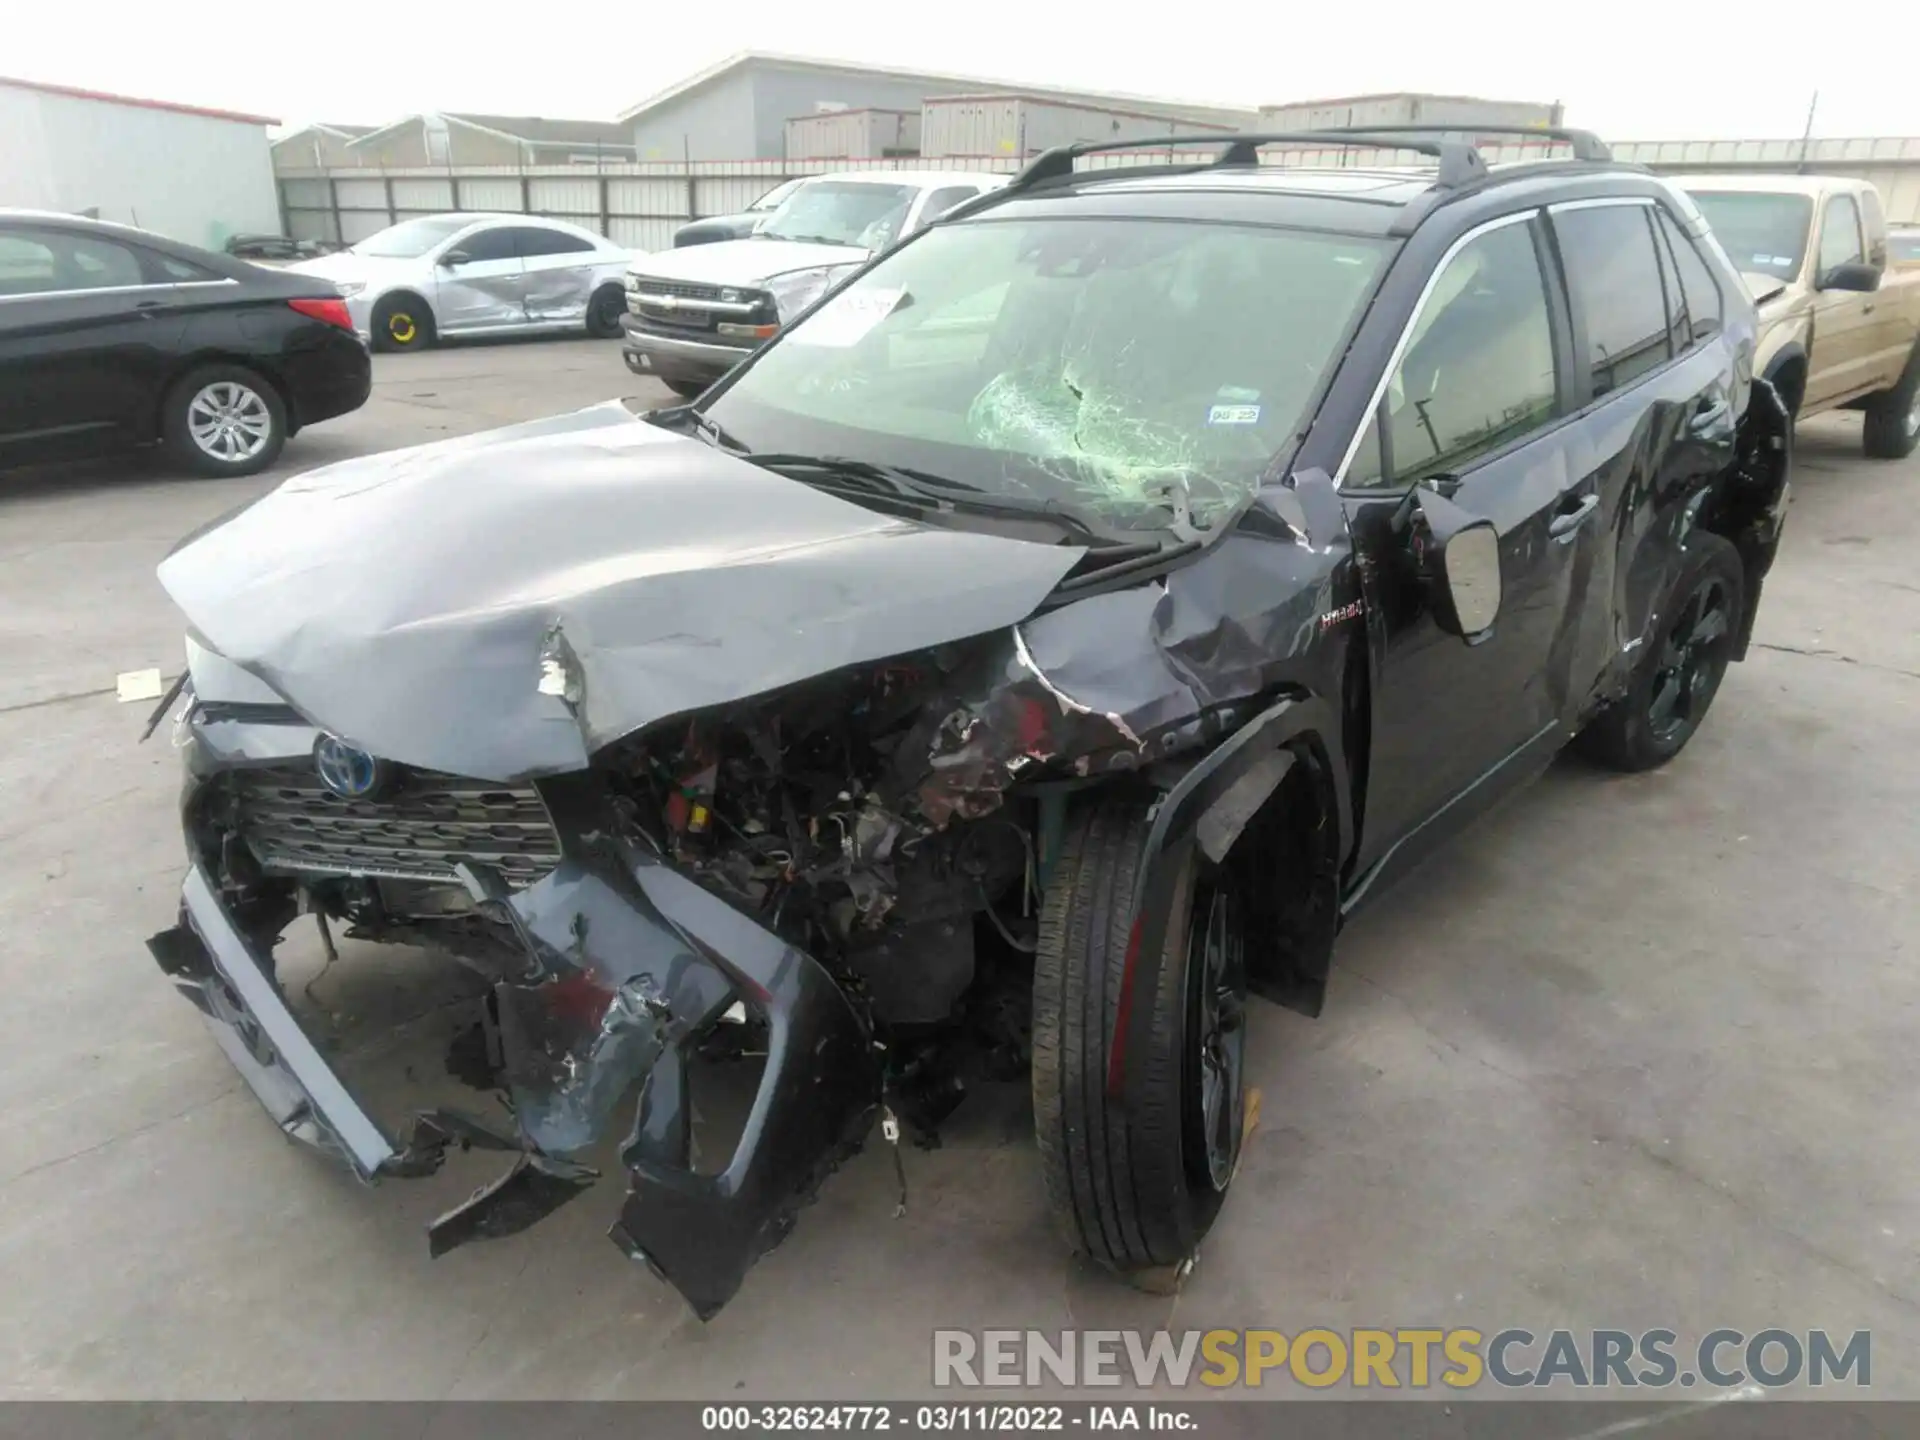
column 559, row 273
column 480, row 282
column 89, row 330
column 1473, row 405
column 1657, row 422
column 1843, row 362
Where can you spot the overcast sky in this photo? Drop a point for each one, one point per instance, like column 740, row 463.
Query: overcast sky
column 1631, row 69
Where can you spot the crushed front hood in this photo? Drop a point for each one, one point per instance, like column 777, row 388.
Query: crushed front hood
column 403, row 601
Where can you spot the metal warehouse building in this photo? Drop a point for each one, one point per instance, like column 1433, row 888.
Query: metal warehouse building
column 739, row 109
column 192, row 174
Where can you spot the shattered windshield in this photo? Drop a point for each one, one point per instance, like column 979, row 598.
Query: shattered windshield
column 1760, row 232
column 841, row 212
column 1097, row 363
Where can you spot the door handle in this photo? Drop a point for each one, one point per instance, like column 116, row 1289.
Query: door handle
column 1709, row 416
column 1562, row 526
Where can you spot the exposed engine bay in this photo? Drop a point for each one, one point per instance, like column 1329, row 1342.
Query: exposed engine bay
column 805, row 811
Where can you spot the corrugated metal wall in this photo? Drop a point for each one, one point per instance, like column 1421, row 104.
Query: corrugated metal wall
column 1405, row 109
column 853, row 135
column 640, row 205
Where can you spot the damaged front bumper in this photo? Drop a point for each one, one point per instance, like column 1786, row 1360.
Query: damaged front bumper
column 629, row 964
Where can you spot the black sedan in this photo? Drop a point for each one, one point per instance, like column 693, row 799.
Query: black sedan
column 112, row 338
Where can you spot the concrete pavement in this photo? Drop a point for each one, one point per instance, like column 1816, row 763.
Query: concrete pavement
column 1638, row 1051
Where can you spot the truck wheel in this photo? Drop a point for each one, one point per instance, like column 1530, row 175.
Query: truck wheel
column 1136, row 1191
column 1685, row 659
column 1893, row 416
column 603, row 313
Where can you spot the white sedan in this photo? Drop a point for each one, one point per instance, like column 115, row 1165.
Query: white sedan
column 446, row 275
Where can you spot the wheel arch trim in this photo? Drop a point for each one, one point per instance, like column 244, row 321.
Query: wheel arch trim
column 198, row 359
column 1213, row 801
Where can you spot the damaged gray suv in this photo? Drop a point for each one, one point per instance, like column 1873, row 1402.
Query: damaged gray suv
column 1041, row 647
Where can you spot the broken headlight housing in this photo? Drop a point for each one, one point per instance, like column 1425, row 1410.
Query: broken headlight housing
column 797, row 289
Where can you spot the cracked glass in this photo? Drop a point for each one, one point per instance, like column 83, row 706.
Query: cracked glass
column 1100, row 363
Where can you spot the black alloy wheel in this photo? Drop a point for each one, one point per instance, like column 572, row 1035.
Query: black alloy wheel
column 1216, row 1040
column 1681, row 664
column 1691, row 661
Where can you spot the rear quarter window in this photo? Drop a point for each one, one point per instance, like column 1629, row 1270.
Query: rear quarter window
column 1698, row 291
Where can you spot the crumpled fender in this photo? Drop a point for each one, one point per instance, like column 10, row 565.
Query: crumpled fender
column 1206, row 809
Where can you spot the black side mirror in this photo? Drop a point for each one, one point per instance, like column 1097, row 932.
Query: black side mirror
column 1853, row 275
column 1457, row 555
column 455, row 257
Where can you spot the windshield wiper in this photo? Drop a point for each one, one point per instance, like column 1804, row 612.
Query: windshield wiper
column 921, row 489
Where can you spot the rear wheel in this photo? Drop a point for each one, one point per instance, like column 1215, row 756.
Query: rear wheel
column 223, row 420
column 1136, row 1190
column 687, row 389
column 1680, row 674
column 609, row 303
column 1893, row 417
column 402, row 322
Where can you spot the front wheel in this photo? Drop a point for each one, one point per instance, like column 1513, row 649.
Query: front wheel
column 223, row 420
column 1136, row 1190
column 609, row 303
column 1685, row 659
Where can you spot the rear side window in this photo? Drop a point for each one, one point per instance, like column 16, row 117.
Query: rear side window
column 1677, row 329
column 1615, row 279
column 41, row 262
column 184, row 272
column 1698, row 292
column 1840, row 234
column 494, row 244
column 1478, row 369
column 535, row 240
column 26, row 265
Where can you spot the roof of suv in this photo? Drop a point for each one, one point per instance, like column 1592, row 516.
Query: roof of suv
column 1365, row 202
column 1240, row 183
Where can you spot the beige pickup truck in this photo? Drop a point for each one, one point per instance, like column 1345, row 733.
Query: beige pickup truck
column 1839, row 325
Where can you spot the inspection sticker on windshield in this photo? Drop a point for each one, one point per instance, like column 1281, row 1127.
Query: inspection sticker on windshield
column 845, row 318
column 1234, row 415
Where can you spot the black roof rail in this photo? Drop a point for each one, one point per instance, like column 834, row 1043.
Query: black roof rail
column 1584, row 143
column 1459, row 162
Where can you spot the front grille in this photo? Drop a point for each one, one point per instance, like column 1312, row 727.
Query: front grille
column 421, row 830
column 672, row 319
column 679, row 289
